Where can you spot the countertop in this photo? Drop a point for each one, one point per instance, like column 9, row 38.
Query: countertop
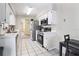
column 8, row 35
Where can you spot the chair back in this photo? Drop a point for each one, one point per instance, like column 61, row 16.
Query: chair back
column 67, row 37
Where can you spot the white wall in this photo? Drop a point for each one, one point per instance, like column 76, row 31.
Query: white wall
column 69, row 12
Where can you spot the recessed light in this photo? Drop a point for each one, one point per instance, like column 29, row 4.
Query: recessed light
column 29, row 10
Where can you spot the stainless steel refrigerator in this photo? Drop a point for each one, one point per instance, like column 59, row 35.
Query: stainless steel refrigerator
column 34, row 27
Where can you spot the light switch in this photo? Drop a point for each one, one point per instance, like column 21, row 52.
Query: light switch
column 64, row 20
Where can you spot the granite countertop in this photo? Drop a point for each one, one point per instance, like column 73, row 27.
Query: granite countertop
column 8, row 35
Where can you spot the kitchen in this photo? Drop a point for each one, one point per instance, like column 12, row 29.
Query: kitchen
column 36, row 29
column 43, row 28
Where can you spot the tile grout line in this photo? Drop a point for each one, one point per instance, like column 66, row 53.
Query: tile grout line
column 39, row 48
column 27, row 49
column 34, row 49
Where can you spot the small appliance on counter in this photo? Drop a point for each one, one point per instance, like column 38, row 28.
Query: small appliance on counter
column 44, row 21
column 11, row 29
column 46, row 29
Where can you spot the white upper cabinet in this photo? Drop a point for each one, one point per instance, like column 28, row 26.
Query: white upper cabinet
column 7, row 13
column 2, row 12
column 52, row 17
column 44, row 16
column 10, row 18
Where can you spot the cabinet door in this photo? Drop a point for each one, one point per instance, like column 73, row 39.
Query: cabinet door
column 10, row 18
column 2, row 12
column 52, row 17
column 45, row 42
column 10, row 47
column 7, row 13
column 49, row 40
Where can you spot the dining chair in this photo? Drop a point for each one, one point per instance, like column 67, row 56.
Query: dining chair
column 70, row 51
column 67, row 38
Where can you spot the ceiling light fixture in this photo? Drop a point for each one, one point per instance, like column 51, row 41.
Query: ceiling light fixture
column 29, row 10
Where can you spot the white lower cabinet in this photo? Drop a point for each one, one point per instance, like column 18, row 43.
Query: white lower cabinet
column 9, row 45
column 49, row 40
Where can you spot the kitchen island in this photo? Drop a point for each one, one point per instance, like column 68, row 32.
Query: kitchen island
column 9, row 42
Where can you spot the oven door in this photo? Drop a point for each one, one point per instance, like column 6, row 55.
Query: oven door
column 40, row 39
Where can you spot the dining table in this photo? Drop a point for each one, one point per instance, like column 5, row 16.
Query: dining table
column 73, row 44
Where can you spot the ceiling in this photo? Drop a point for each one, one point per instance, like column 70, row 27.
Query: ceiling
column 19, row 8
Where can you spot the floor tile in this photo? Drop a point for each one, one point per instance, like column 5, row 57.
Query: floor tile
column 33, row 48
column 41, row 54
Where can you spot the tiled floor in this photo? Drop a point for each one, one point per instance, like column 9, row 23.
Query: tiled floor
column 33, row 48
